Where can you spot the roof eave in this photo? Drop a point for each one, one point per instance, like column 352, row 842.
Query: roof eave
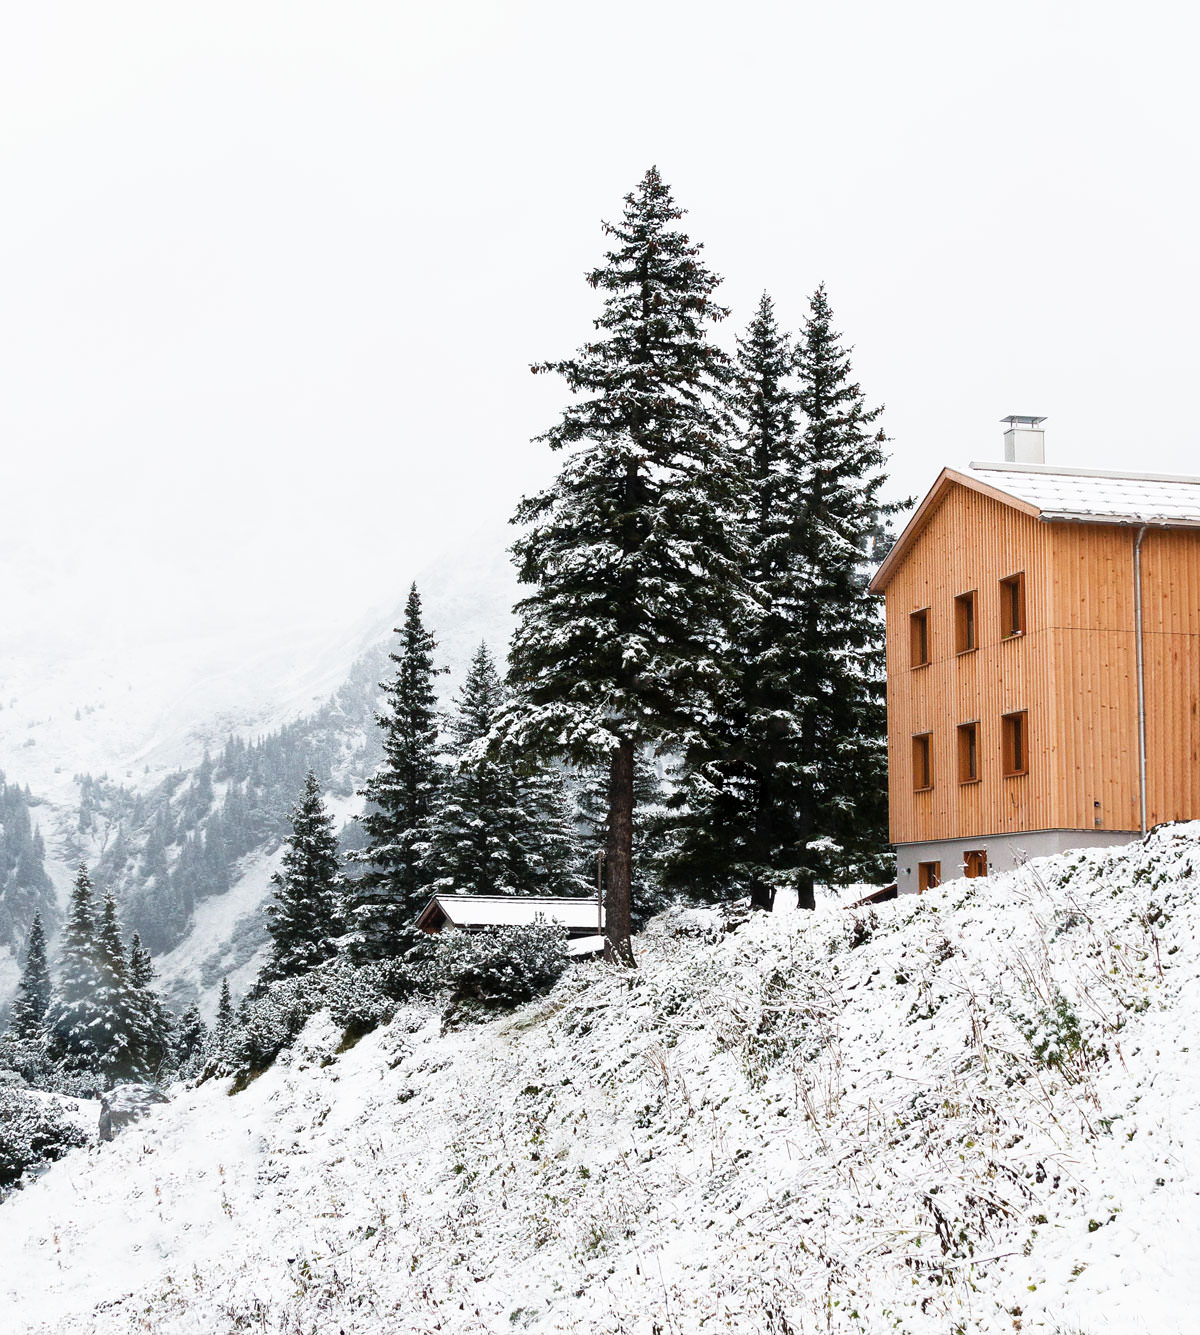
column 921, row 516
column 1121, row 521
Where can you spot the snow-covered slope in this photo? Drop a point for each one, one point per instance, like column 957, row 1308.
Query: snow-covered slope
column 975, row 1111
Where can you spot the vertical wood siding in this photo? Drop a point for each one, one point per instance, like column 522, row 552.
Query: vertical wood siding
column 1171, row 621
column 1074, row 671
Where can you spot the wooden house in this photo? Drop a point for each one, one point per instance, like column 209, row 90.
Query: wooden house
column 583, row 918
column 1043, row 662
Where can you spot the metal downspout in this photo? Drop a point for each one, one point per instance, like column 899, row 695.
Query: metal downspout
column 1141, row 668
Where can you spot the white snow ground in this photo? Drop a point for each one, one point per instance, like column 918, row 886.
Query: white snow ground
column 973, row 1111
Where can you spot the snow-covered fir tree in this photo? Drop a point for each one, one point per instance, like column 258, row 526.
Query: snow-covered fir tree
column 382, row 902
column 152, row 1021
column 303, row 918
column 75, row 1021
column 191, row 1037
column 741, row 787
column 114, row 997
column 503, row 825
column 790, row 786
column 629, row 552
column 841, row 823
column 32, row 1002
column 222, row 1047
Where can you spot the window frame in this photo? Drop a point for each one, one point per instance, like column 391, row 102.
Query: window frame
column 929, row 876
column 1014, row 743
column 966, row 622
column 922, row 746
column 919, row 638
column 968, row 752
column 1012, row 606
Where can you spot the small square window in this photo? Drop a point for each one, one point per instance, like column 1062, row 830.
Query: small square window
column 918, row 627
column 968, row 753
column 964, row 623
column 1015, row 734
column 929, row 876
column 1012, row 606
column 975, row 863
column 922, row 759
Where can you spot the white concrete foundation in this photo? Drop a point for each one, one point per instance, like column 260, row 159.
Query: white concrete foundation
column 1004, row 851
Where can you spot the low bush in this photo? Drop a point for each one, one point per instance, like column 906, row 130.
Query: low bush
column 497, row 970
column 32, row 1131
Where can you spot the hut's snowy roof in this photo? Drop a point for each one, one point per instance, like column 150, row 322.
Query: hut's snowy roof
column 510, row 911
column 1093, row 496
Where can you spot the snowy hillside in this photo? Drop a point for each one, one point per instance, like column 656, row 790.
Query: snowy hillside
column 975, row 1111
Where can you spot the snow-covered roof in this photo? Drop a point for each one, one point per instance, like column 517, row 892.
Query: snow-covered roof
column 1093, row 496
column 1059, row 495
column 509, row 911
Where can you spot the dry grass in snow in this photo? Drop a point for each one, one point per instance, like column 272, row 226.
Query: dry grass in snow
column 975, row 1111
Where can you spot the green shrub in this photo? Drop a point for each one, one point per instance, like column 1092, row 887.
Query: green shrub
column 32, row 1131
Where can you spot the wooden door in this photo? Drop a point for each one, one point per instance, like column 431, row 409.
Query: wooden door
column 975, row 863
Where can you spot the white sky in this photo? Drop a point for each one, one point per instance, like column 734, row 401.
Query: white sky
column 272, row 274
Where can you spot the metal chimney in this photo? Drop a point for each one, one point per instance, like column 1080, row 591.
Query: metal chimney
column 1024, row 441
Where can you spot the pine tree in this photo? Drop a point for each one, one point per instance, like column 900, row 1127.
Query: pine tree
column 152, row 1022
column 790, row 787
column 632, row 562
column 75, row 1022
column 739, row 788
column 382, row 902
column 503, row 826
column 842, row 826
column 114, row 997
column 222, row 1050
column 191, row 1037
column 33, row 998
column 302, row 920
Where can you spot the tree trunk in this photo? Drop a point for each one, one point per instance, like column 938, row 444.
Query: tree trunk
column 762, row 895
column 618, row 890
column 806, row 881
column 806, row 891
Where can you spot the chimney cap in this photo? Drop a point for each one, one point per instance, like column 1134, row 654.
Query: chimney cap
column 1015, row 420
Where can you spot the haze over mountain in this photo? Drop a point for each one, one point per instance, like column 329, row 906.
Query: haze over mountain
column 137, row 713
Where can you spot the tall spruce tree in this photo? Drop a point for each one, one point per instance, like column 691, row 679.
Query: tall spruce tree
column 302, row 920
column 381, row 903
column 841, row 823
column 152, row 1022
column 628, row 551
column 502, row 826
column 190, row 1039
column 114, row 997
column 223, row 1043
column 75, row 1021
column 740, row 789
column 790, row 787
column 32, row 1002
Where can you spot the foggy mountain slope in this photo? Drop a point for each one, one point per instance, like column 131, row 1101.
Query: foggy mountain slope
column 112, row 744
column 138, row 712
